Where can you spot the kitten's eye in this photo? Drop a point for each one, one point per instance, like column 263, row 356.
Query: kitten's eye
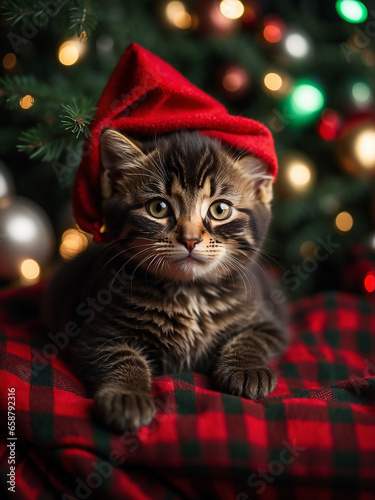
column 220, row 210
column 159, row 209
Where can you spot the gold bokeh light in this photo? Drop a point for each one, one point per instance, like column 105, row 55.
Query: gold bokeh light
column 183, row 21
column 27, row 101
column 344, row 222
column 176, row 14
column 273, row 81
column 9, row 60
column 68, row 53
column 364, row 148
column 30, row 271
column 307, row 249
column 73, row 242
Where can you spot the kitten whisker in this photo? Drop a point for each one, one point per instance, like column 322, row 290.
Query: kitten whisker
column 107, row 246
column 242, row 270
column 149, row 265
column 125, row 264
column 228, row 271
column 158, row 264
column 124, row 251
column 137, row 267
column 265, row 254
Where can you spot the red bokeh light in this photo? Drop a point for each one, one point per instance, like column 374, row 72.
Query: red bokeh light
column 369, row 282
column 272, row 33
column 329, row 125
column 273, row 30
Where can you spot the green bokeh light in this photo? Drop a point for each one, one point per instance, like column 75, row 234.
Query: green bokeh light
column 306, row 99
column 352, row 11
column 361, row 92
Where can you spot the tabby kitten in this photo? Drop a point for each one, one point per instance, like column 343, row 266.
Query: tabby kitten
column 179, row 286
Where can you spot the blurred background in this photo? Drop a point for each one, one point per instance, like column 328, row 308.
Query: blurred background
column 305, row 68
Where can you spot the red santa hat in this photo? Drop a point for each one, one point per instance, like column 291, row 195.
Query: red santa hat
column 146, row 96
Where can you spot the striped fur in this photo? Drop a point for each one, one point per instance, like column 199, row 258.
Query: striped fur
column 183, row 291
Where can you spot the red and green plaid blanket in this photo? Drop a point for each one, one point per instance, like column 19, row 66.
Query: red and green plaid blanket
column 313, row 438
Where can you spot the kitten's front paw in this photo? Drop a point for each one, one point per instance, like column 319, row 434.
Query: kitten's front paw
column 252, row 383
column 124, row 410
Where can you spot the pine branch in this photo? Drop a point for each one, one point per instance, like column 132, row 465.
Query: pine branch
column 82, row 21
column 15, row 10
column 14, row 89
column 77, row 116
column 48, row 143
column 44, row 142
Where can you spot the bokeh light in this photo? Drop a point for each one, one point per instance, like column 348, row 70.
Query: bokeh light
column 306, row 99
column 361, row 92
column 299, row 174
column 273, row 81
column 344, row 222
column 27, row 101
column 30, row 270
column 273, row 30
column 232, row 9
column 364, row 148
column 307, row 249
column 183, row 21
column 9, row 60
column 176, row 14
column 73, row 242
column 352, row 11
column 83, row 37
column 297, row 45
column 369, row 282
column 234, row 80
column 329, row 125
column 272, row 33
column 68, row 53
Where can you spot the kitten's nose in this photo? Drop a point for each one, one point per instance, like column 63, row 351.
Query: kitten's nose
column 189, row 243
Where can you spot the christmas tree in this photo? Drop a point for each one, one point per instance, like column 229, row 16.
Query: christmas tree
column 304, row 68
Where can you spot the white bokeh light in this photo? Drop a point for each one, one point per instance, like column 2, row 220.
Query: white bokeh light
column 364, row 148
column 299, row 174
column 297, row 45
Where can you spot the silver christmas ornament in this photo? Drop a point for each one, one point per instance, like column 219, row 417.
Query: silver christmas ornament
column 25, row 233
column 6, row 181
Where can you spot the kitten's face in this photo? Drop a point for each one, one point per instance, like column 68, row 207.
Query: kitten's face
column 186, row 209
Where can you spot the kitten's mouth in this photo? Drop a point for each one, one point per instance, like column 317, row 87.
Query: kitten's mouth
column 189, row 258
column 188, row 266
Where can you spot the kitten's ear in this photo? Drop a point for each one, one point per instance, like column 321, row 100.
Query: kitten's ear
column 118, row 151
column 118, row 155
column 257, row 171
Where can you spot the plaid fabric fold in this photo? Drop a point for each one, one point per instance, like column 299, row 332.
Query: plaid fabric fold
column 313, row 437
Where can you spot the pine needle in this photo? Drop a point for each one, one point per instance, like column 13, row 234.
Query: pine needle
column 44, row 142
column 78, row 115
column 82, row 21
